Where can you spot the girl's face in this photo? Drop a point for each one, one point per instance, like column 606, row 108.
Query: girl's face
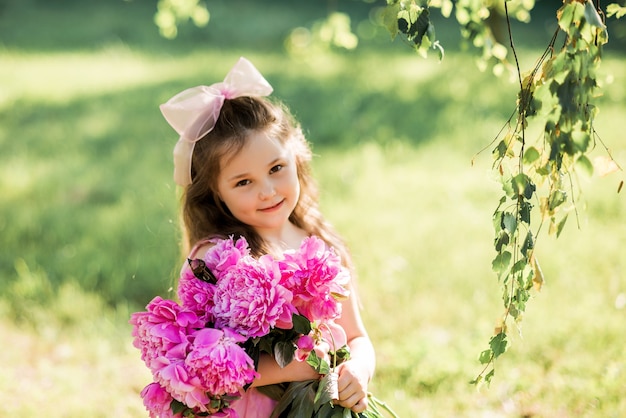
column 259, row 184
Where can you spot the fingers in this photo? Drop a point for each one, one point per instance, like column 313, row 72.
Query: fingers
column 352, row 393
column 354, row 402
column 360, row 406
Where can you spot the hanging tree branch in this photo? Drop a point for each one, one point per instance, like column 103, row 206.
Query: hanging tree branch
column 536, row 173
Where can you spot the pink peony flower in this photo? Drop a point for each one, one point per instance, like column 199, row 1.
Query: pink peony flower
column 250, row 299
column 333, row 334
column 317, row 279
column 158, row 401
column 327, row 337
column 221, row 365
column 305, row 345
column 196, row 295
column 182, row 384
column 163, row 330
column 322, row 350
column 225, row 253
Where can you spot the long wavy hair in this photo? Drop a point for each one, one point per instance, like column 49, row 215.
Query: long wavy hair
column 204, row 215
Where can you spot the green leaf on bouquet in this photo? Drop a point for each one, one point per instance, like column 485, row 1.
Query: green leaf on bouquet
column 341, row 355
column 274, row 391
column 324, row 392
column 178, row 407
column 295, row 390
column 329, row 410
column 319, row 365
column 284, row 352
column 301, row 324
column 262, row 344
column 303, row 404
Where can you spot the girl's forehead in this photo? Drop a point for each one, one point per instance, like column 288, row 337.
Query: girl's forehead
column 258, row 146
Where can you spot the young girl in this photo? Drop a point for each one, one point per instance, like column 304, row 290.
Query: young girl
column 243, row 162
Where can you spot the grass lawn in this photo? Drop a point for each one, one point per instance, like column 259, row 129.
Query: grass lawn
column 88, row 221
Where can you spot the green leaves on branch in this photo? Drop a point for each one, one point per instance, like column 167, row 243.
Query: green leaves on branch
column 411, row 18
column 615, row 10
column 560, row 92
column 536, row 173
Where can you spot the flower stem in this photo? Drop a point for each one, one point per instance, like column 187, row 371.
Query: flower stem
column 375, row 403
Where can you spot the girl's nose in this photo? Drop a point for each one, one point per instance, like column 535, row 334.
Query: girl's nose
column 267, row 190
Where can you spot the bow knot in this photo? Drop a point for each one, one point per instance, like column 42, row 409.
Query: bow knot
column 193, row 112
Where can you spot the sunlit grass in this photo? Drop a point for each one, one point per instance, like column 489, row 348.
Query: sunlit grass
column 88, row 369
column 62, row 77
column 422, row 250
column 88, row 227
column 424, row 253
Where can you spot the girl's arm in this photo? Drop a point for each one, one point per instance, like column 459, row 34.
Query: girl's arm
column 270, row 372
column 355, row 374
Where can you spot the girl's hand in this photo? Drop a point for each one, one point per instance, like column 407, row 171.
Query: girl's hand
column 352, row 385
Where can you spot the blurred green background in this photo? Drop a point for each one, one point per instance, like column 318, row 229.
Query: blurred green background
column 88, row 208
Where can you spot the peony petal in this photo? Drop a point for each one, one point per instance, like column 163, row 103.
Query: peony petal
column 207, row 337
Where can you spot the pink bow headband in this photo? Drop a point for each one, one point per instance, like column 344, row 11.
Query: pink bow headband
column 193, row 112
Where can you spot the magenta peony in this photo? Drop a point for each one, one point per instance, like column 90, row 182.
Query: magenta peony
column 334, row 334
column 196, row 295
column 317, row 279
column 305, row 345
column 225, row 253
column 184, row 386
column 157, row 401
column 162, row 330
column 250, row 299
column 221, row 365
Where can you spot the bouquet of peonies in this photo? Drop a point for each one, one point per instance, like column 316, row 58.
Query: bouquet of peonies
column 203, row 352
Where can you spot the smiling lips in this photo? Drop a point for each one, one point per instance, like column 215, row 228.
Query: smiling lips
column 273, row 208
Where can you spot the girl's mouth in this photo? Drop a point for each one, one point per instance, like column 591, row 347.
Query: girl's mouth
column 273, row 208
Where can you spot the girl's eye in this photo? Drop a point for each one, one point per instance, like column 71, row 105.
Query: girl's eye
column 276, row 168
column 241, row 183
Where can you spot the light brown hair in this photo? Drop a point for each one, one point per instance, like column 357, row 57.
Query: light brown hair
column 204, row 215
